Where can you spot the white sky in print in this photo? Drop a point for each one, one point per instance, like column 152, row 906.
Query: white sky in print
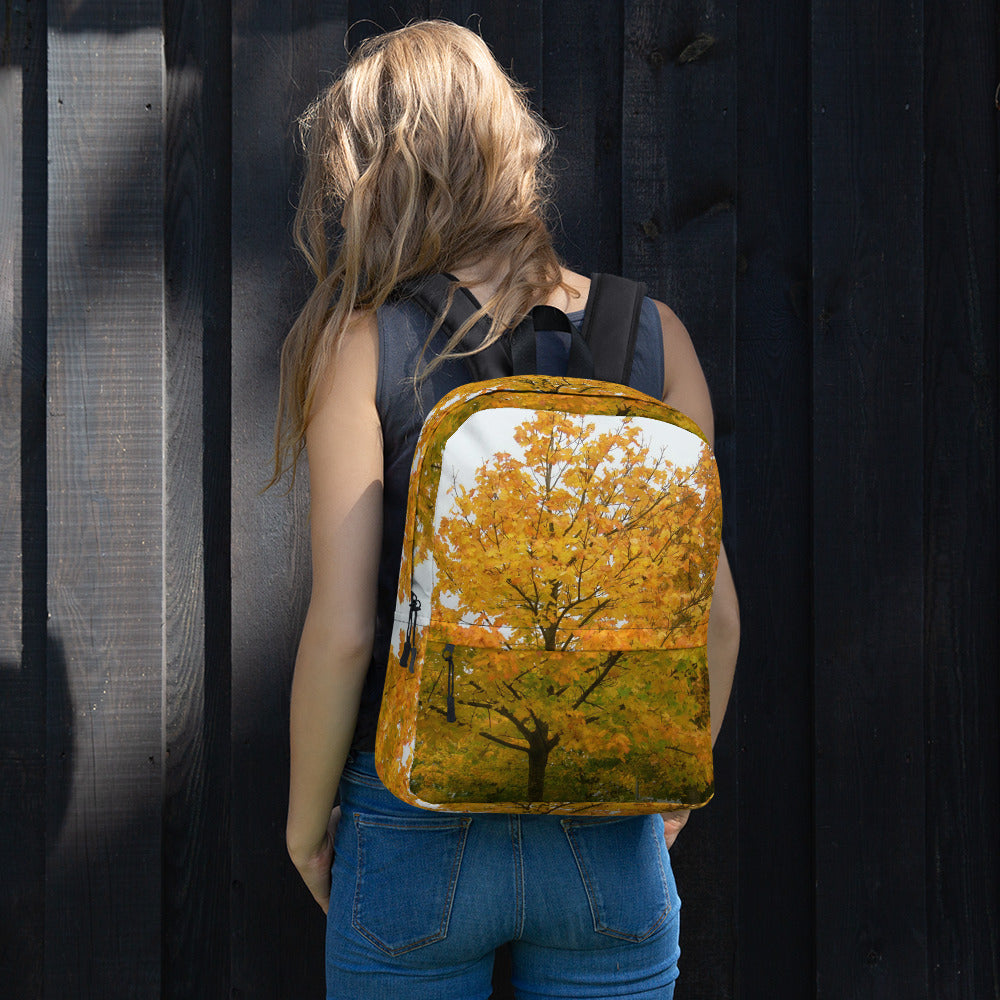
column 490, row 431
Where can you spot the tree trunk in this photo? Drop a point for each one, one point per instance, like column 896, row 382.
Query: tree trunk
column 539, row 746
column 538, row 757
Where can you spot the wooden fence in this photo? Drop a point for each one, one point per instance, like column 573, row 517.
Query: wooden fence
column 812, row 186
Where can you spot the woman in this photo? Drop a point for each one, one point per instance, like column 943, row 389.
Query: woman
column 429, row 157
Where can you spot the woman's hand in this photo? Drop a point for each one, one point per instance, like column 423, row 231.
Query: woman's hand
column 314, row 867
column 673, row 823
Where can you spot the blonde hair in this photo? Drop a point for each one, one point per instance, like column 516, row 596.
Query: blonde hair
column 432, row 160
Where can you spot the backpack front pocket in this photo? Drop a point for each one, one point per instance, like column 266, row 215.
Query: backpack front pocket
column 518, row 726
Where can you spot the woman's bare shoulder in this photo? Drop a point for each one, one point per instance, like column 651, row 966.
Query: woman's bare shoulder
column 351, row 369
column 675, row 334
column 684, row 385
column 343, row 436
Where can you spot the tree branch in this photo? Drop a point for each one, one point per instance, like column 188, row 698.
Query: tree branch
column 612, row 659
column 504, row 713
column 504, row 743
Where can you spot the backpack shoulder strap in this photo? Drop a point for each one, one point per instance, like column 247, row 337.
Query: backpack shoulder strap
column 431, row 294
column 611, row 323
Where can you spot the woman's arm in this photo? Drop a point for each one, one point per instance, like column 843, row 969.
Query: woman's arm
column 344, row 445
column 685, row 389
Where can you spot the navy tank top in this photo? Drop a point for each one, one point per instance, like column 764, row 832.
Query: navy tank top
column 402, row 332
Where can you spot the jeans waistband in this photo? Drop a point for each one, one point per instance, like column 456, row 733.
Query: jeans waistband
column 360, row 768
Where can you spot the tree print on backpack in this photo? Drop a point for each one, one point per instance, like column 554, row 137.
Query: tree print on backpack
column 572, row 570
column 555, row 586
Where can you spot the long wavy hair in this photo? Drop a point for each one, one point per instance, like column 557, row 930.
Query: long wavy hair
column 423, row 157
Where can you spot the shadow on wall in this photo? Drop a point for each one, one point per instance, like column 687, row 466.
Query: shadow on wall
column 34, row 795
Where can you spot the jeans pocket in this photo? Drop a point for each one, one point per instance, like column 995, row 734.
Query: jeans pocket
column 407, row 873
column 621, row 863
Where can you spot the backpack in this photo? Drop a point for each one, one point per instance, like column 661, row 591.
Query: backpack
column 561, row 542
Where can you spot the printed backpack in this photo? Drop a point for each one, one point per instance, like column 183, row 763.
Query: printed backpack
column 560, row 550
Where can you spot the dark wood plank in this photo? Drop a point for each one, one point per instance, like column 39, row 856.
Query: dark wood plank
column 772, row 503
column 678, row 194
column 960, row 597
column 105, row 490
column 282, row 55
column 583, row 85
column 22, row 664
column 196, row 891
column 868, row 499
column 679, row 163
column 41, row 682
column 11, row 93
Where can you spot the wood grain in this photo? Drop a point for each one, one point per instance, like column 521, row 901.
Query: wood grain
column 772, row 504
column 196, row 830
column 845, row 308
column 22, row 676
column 10, row 355
column 679, row 236
column 105, row 496
column 868, row 500
column 282, row 55
column 960, row 585
column 582, row 102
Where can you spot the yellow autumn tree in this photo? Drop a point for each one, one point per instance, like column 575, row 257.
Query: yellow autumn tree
column 578, row 571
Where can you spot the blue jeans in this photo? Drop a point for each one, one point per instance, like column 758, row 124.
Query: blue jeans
column 420, row 900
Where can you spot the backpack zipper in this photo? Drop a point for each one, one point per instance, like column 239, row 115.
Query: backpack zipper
column 449, row 654
column 411, row 627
